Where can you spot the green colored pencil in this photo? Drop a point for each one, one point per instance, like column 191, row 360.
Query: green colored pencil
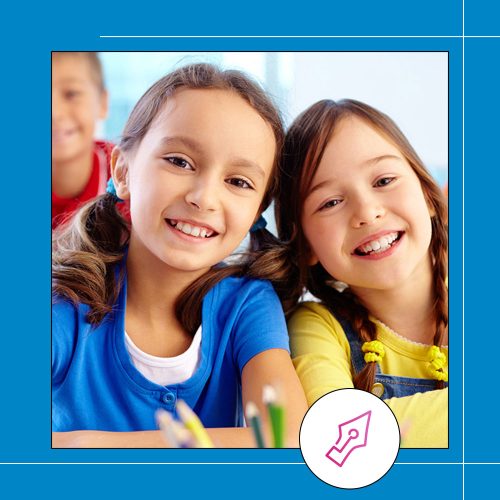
column 276, row 415
column 253, row 419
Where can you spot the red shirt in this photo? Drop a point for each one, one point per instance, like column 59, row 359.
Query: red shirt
column 62, row 208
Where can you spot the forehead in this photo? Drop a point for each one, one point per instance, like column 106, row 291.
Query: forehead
column 356, row 141
column 72, row 68
column 205, row 104
column 214, row 116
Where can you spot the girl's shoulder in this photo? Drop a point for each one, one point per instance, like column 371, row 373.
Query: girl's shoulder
column 314, row 312
column 243, row 294
column 66, row 313
column 244, row 285
column 62, row 306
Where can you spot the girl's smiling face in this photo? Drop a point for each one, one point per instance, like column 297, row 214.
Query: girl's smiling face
column 197, row 179
column 365, row 217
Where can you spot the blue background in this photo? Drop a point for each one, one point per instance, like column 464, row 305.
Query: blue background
column 28, row 38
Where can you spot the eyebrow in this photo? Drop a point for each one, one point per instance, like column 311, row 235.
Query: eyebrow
column 370, row 162
column 196, row 147
column 378, row 159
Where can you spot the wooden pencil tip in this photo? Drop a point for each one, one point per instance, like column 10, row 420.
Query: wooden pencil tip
column 251, row 410
column 268, row 394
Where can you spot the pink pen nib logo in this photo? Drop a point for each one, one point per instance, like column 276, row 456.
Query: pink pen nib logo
column 352, row 434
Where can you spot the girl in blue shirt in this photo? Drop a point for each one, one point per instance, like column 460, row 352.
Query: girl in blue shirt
column 198, row 164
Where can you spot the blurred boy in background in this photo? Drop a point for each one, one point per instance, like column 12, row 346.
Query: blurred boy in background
column 80, row 164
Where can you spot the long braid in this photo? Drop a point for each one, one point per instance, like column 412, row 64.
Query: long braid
column 439, row 252
column 346, row 305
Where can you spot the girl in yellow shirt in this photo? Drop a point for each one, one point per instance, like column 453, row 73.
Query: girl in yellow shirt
column 366, row 225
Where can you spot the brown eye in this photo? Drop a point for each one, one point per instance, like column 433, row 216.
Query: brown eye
column 179, row 162
column 330, row 204
column 240, row 183
column 384, row 181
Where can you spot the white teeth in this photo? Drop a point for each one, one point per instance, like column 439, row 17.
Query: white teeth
column 197, row 232
column 379, row 245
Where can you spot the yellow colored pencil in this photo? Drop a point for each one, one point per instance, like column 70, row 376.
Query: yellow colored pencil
column 194, row 425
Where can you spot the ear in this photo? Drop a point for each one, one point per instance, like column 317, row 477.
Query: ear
column 103, row 105
column 119, row 173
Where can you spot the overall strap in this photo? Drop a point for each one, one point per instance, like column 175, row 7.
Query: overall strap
column 355, row 343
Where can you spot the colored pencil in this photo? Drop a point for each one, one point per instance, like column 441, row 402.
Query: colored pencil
column 194, row 425
column 253, row 419
column 276, row 413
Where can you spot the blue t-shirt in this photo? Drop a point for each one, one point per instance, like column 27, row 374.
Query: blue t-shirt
column 95, row 386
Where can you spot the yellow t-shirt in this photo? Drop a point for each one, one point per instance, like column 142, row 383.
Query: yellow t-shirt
column 322, row 358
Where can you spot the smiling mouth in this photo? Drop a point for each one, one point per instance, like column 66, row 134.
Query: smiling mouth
column 63, row 133
column 379, row 245
column 192, row 230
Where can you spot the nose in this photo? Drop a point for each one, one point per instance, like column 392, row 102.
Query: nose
column 367, row 210
column 203, row 194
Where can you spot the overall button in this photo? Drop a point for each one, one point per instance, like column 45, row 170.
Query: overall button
column 378, row 389
column 168, row 397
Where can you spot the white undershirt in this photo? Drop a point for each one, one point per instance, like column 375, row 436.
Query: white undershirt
column 166, row 371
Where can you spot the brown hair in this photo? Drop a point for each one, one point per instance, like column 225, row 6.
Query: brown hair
column 86, row 250
column 304, row 147
column 94, row 63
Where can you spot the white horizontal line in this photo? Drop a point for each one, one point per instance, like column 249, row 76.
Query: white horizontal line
column 428, row 463
column 152, row 463
column 280, row 36
column 228, row 463
column 299, row 36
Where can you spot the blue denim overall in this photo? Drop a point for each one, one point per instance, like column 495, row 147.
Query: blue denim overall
column 385, row 386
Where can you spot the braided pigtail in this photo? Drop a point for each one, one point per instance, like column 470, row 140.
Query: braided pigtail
column 373, row 349
column 344, row 304
column 439, row 253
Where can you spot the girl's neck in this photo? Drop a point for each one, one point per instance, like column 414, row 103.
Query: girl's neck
column 69, row 178
column 152, row 291
column 407, row 309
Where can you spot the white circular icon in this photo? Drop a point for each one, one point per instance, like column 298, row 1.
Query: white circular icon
column 349, row 438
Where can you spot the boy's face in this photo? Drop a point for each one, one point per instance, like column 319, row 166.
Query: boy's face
column 77, row 103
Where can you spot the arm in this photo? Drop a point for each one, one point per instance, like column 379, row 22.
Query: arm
column 260, row 345
column 274, row 367
column 269, row 367
column 320, row 351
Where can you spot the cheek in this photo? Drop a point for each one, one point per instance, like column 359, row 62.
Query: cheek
column 242, row 217
column 315, row 237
